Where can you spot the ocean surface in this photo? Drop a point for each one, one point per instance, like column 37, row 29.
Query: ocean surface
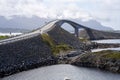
column 114, row 41
column 59, row 72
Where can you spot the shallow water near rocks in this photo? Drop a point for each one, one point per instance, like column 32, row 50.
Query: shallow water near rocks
column 114, row 41
column 97, row 50
column 59, row 72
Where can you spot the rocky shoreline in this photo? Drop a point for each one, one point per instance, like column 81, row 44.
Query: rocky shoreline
column 105, row 45
column 95, row 45
column 76, row 57
column 89, row 59
column 105, row 60
column 19, row 68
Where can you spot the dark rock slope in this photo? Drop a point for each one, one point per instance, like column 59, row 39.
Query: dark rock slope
column 61, row 36
column 23, row 55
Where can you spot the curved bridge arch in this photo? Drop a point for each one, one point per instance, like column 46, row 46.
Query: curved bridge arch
column 47, row 27
column 73, row 24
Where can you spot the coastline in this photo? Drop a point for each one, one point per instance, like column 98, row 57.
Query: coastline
column 26, row 67
column 105, row 60
column 73, row 58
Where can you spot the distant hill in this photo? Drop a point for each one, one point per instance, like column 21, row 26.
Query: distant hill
column 7, row 30
column 22, row 22
column 116, row 31
column 36, row 22
column 94, row 25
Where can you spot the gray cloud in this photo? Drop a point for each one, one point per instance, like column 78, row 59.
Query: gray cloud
column 104, row 11
column 29, row 8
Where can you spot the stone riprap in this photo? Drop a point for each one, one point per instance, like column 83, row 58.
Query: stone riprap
column 24, row 54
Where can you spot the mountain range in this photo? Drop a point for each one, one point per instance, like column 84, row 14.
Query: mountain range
column 15, row 30
column 23, row 24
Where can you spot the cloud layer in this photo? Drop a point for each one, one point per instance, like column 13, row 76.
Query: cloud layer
column 29, row 8
column 105, row 11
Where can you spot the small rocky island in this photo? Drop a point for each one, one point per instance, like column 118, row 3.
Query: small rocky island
column 105, row 60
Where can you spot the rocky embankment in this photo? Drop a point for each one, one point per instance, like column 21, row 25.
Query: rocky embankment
column 60, row 35
column 23, row 55
column 106, row 60
column 94, row 45
column 105, row 45
column 35, row 51
column 68, row 57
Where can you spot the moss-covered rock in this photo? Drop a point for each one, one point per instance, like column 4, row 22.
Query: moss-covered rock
column 55, row 48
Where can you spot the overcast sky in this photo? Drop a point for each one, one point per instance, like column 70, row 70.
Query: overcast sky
column 105, row 11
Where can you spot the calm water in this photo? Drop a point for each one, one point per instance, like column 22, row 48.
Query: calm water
column 58, row 72
column 96, row 50
column 114, row 41
column 108, row 41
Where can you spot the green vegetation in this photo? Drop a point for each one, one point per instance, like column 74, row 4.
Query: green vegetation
column 108, row 54
column 61, row 47
column 94, row 56
column 55, row 48
column 83, row 39
column 113, row 55
column 48, row 40
column 3, row 37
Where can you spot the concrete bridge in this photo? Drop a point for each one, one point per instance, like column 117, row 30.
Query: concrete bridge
column 59, row 23
column 91, row 33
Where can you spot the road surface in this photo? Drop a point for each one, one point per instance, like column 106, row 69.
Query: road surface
column 37, row 32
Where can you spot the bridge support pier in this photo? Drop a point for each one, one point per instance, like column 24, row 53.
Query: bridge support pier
column 76, row 32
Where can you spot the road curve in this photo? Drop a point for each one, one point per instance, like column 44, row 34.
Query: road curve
column 37, row 32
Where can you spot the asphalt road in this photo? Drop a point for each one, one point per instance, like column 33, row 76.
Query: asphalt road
column 39, row 31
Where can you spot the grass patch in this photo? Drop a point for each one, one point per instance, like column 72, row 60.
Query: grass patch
column 48, row 40
column 108, row 54
column 56, row 49
column 100, row 56
column 3, row 37
column 83, row 39
column 61, row 48
column 113, row 55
